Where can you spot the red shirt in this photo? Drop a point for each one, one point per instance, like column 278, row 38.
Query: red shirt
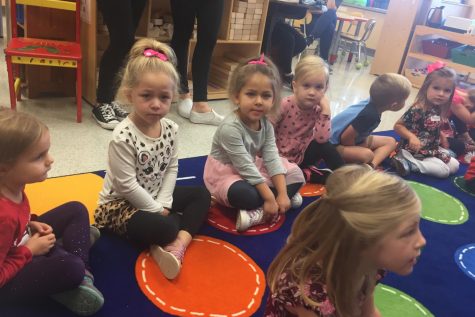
column 14, row 219
column 470, row 174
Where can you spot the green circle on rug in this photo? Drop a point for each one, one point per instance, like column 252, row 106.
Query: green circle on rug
column 459, row 182
column 438, row 206
column 394, row 303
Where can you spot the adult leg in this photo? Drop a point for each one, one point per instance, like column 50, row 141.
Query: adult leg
column 183, row 13
column 326, row 151
column 283, row 43
column 324, row 29
column 122, row 18
column 382, row 146
column 45, row 275
column 209, row 15
column 70, row 222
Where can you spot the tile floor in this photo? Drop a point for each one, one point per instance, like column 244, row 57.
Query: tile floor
column 82, row 147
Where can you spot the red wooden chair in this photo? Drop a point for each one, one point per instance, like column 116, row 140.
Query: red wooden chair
column 44, row 52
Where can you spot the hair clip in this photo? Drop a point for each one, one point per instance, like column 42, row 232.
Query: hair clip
column 153, row 53
column 435, row 66
column 259, row 62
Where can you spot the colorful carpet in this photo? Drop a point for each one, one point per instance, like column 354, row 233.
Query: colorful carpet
column 223, row 273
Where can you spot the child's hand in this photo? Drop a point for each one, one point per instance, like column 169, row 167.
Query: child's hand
column 40, row 227
column 325, row 106
column 165, row 212
column 271, row 208
column 40, row 245
column 415, row 144
column 284, row 203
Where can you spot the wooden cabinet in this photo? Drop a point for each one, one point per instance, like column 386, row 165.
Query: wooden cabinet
column 417, row 59
column 226, row 47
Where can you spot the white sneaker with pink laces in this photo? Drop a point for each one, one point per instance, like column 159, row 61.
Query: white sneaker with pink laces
column 169, row 258
column 249, row 218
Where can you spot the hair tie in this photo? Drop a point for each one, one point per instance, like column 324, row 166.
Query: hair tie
column 153, row 53
column 258, row 62
column 435, row 66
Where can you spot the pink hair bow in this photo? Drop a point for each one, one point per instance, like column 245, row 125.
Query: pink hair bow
column 435, row 66
column 259, row 62
column 153, row 53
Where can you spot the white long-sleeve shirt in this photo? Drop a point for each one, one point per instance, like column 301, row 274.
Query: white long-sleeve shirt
column 142, row 169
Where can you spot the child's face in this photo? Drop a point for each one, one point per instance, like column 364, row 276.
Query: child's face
column 33, row 165
column 309, row 90
column 399, row 249
column 152, row 97
column 254, row 100
column 439, row 91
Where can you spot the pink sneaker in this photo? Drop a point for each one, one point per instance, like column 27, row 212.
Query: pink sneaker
column 169, row 258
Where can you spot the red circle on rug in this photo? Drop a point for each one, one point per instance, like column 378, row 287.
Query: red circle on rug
column 217, row 279
column 224, row 218
column 312, row 190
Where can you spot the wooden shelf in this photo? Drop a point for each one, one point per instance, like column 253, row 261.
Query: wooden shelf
column 415, row 55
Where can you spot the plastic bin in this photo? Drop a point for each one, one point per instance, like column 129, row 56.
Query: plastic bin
column 464, row 54
column 439, row 47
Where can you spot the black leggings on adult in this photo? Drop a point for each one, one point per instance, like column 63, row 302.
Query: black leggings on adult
column 122, row 18
column 208, row 14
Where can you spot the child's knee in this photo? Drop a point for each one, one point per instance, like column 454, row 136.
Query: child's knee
column 366, row 155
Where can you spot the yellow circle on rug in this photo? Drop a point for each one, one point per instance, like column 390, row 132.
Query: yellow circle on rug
column 56, row 191
column 216, row 279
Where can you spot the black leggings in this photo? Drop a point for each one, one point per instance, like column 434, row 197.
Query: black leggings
column 122, row 18
column 243, row 195
column 287, row 42
column 208, row 14
column 323, row 28
column 326, row 151
column 189, row 209
column 461, row 127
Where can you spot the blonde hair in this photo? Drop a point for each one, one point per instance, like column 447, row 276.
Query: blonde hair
column 244, row 71
column 361, row 206
column 18, row 131
column 388, row 89
column 444, row 72
column 311, row 65
column 138, row 64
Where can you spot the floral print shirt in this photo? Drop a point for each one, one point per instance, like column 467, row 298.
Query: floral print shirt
column 289, row 294
column 425, row 124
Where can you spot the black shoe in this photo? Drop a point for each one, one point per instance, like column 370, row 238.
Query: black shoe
column 316, row 175
column 119, row 112
column 105, row 116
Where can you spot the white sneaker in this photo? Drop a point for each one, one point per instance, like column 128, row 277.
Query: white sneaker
column 249, row 218
column 211, row 118
column 169, row 264
column 296, row 201
column 184, row 107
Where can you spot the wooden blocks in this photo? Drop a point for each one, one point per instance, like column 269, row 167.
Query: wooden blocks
column 246, row 19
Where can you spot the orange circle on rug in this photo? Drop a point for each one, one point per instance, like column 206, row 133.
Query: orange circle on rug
column 53, row 192
column 312, row 190
column 217, row 279
column 224, row 218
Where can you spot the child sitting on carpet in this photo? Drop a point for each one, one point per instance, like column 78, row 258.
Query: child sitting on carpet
column 420, row 132
column 367, row 216
column 244, row 169
column 302, row 127
column 32, row 263
column 463, row 118
column 139, row 199
column 352, row 127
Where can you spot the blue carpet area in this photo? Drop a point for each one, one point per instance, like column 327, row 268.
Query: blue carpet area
column 437, row 282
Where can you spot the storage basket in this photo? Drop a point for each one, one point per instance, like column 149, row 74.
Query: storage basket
column 438, row 47
column 464, row 54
